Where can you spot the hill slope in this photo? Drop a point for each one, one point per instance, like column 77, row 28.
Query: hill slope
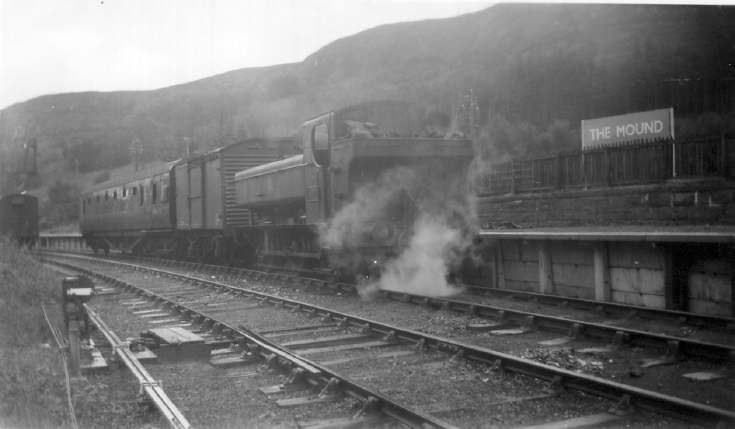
column 531, row 63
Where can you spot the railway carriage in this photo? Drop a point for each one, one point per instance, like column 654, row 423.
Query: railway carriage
column 183, row 208
column 19, row 218
column 126, row 214
column 206, row 214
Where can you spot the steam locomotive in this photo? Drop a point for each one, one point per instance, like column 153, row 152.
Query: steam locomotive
column 19, row 218
column 342, row 197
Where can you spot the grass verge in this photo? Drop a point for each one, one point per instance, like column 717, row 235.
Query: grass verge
column 32, row 383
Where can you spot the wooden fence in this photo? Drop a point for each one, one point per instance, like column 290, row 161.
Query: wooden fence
column 625, row 164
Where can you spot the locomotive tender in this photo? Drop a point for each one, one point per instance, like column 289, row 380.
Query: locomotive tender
column 19, row 218
column 248, row 203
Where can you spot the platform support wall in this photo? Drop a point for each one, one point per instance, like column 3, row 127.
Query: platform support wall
column 602, row 272
column 672, row 281
column 545, row 272
column 500, row 264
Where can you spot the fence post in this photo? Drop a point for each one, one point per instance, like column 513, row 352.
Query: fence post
column 557, row 169
column 608, row 167
column 513, row 177
column 673, row 158
column 723, row 155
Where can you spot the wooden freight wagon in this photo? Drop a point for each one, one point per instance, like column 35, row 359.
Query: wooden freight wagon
column 205, row 191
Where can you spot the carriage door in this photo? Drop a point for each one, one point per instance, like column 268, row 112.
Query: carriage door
column 196, row 206
column 181, row 186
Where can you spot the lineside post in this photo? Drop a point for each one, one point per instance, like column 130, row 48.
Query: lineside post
column 75, row 291
column 74, row 349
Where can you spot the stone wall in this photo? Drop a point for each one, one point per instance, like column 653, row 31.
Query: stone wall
column 685, row 202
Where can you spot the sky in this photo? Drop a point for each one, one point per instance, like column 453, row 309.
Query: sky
column 54, row 46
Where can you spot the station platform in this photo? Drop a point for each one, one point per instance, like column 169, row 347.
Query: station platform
column 677, row 267
column 633, row 233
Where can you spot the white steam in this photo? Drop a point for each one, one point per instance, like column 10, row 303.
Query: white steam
column 358, row 217
column 439, row 237
column 424, row 265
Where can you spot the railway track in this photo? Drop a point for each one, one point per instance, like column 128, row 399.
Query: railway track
column 665, row 330
column 102, row 337
column 667, row 338
column 379, row 335
column 148, row 385
column 327, row 386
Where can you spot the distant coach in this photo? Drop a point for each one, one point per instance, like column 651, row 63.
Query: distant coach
column 19, row 218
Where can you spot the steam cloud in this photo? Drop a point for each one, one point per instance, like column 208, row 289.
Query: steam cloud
column 358, row 217
column 423, row 266
column 440, row 235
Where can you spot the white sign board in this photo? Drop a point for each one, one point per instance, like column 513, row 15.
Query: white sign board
column 652, row 124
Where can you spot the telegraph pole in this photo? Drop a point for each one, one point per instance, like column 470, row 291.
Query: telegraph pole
column 29, row 168
column 31, row 145
column 136, row 150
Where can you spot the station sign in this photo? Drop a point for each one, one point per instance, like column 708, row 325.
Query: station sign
column 651, row 124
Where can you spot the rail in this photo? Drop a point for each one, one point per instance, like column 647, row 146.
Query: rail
column 640, row 162
column 148, row 384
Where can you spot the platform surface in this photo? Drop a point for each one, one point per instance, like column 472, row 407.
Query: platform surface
column 649, row 233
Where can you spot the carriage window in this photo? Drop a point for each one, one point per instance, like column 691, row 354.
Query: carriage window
column 154, row 193
column 135, row 190
column 114, row 195
column 320, row 142
column 142, row 195
column 164, row 193
column 320, row 137
column 124, row 192
column 107, row 195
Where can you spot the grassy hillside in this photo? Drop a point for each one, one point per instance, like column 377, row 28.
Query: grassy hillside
column 536, row 70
